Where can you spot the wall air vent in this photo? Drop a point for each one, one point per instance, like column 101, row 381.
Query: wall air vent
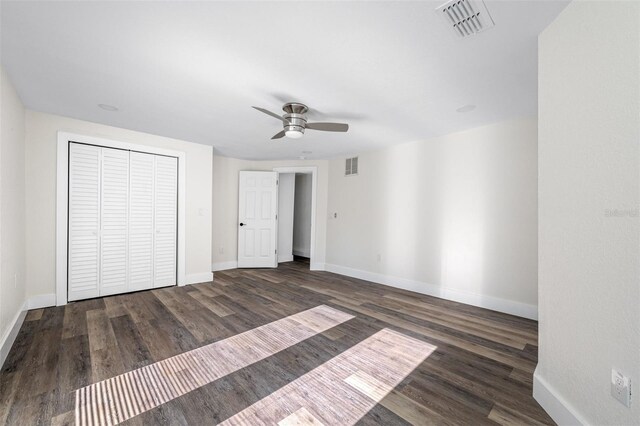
column 351, row 166
column 466, row 17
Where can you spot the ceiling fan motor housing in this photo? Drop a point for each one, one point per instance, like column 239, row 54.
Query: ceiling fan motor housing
column 295, row 119
column 295, row 122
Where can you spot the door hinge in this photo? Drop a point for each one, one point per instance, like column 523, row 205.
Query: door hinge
column 276, row 217
column 276, row 251
column 277, row 181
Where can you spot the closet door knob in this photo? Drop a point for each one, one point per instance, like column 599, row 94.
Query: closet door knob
column 242, row 224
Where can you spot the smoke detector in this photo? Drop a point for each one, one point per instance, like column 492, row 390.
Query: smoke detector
column 466, row 17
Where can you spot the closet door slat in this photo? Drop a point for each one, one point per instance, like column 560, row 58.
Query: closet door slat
column 166, row 220
column 141, row 229
column 114, row 222
column 84, row 222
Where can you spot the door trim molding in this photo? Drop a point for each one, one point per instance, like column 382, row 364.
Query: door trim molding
column 314, row 193
column 62, row 196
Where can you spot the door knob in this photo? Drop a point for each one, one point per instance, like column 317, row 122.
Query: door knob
column 242, row 224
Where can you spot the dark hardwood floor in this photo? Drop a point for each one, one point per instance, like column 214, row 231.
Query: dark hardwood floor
column 480, row 371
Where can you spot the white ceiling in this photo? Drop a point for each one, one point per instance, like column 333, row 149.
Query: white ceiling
column 192, row 70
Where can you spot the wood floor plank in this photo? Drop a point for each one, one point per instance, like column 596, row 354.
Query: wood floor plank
column 448, row 312
column 40, row 365
column 8, row 387
column 454, row 323
column 211, row 304
column 74, row 363
column 480, row 373
column 330, row 390
column 65, row 419
column 101, row 335
column 34, row 315
column 300, row 417
column 115, row 306
column 506, row 416
column 151, row 386
column 165, row 338
column 523, row 376
column 442, row 337
column 133, row 350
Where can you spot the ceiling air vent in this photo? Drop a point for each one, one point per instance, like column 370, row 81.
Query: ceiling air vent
column 466, row 17
column 351, row 166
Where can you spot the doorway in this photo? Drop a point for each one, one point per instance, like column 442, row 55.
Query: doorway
column 296, row 215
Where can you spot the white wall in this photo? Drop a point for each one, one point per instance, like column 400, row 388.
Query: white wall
column 12, row 211
column 453, row 216
column 225, row 206
column 302, row 216
column 286, row 199
column 589, row 154
column 225, row 211
column 41, row 140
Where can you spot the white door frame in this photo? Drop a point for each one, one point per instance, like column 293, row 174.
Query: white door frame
column 62, row 196
column 314, row 181
column 257, row 261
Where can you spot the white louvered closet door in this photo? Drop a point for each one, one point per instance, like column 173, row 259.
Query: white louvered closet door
column 83, row 273
column 114, row 234
column 166, row 220
column 141, row 230
column 122, row 221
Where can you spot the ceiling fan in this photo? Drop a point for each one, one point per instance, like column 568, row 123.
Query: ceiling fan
column 295, row 121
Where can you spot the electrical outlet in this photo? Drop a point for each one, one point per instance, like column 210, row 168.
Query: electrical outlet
column 621, row 387
column 221, row 250
column 379, row 257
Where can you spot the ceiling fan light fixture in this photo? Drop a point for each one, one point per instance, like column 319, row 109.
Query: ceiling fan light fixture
column 294, row 132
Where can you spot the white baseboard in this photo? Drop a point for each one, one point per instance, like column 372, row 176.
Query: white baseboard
column 285, row 258
column 41, row 301
column 556, row 406
column 223, row 266
column 489, row 302
column 303, row 253
column 317, row 266
column 202, row 277
column 11, row 333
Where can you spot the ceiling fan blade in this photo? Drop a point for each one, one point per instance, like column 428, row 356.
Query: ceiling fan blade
column 273, row 114
column 328, row 127
column 278, row 135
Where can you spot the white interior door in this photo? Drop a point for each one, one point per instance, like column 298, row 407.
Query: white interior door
column 123, row 217
column 141, row 229
column 257, row 224
column 114, row 221
column 165, row 220
column 83, row 268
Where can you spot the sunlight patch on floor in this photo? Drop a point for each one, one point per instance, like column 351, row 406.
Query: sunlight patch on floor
column 343, row 389
column 123, row 397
